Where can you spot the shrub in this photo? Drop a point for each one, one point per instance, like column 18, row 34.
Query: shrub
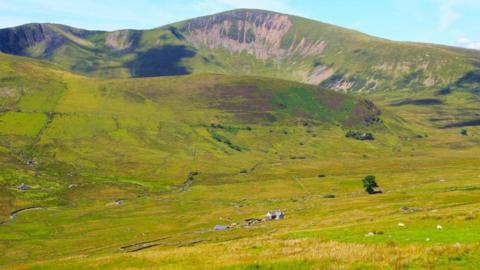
column 213, row 125
column 224, row 140
column 464, row 132
column 369, row 184
column 362, row 136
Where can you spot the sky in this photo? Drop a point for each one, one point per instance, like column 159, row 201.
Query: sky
column 450, row 22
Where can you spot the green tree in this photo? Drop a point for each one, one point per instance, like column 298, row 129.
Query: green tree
column 369, row 184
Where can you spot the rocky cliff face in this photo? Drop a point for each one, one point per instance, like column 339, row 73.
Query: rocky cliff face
column 17, row 40
column 121, row 40
column 37, row 39
column 259, row 33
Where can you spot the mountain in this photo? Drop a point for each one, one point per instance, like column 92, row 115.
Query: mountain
column 250, row 42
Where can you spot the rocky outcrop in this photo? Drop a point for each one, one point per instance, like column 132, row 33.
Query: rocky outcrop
column 39, row 40
column 338, row 82
column 318, row 75
column 259, row 33
column 342, row 85
column 119, row 40
column 16, row 40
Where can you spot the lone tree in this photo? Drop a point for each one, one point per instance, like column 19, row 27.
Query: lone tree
column 369, row 184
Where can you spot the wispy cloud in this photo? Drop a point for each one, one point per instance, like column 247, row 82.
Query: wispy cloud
column 468, row 43
column 454, row 21
column 451, row 11
column 448, row 13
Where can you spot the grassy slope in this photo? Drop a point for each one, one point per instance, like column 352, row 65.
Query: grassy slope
column 62, row 117
column 138, row 140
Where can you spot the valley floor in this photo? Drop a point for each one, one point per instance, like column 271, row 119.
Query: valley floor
column 353, row 230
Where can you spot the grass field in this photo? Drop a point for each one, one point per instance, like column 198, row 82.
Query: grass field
column 107, row 163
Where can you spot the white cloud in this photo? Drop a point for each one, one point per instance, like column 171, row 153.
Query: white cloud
column 449, row 13
column 468, row 43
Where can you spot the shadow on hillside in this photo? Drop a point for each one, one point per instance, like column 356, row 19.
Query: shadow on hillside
column 418, row 102
column 163, row 61
column 471, row 79
column 470, row 123
column 469, row 82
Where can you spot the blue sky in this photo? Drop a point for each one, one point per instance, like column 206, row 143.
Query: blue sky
column 452, row 22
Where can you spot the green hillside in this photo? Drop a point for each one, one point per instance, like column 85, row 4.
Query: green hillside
column 154, row 131
column 249, row 42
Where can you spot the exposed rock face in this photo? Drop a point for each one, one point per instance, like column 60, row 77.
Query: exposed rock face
column 342, row 85
column 339, row 82
column 318, row 75
column 259, row 33
column 44, row 38
column 16, row 40
column 119, row 40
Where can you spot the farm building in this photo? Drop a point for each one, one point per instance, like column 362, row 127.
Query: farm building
column 274, row 215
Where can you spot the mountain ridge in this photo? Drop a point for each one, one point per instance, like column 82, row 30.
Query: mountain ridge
column 248, row 42
column 448, row 47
